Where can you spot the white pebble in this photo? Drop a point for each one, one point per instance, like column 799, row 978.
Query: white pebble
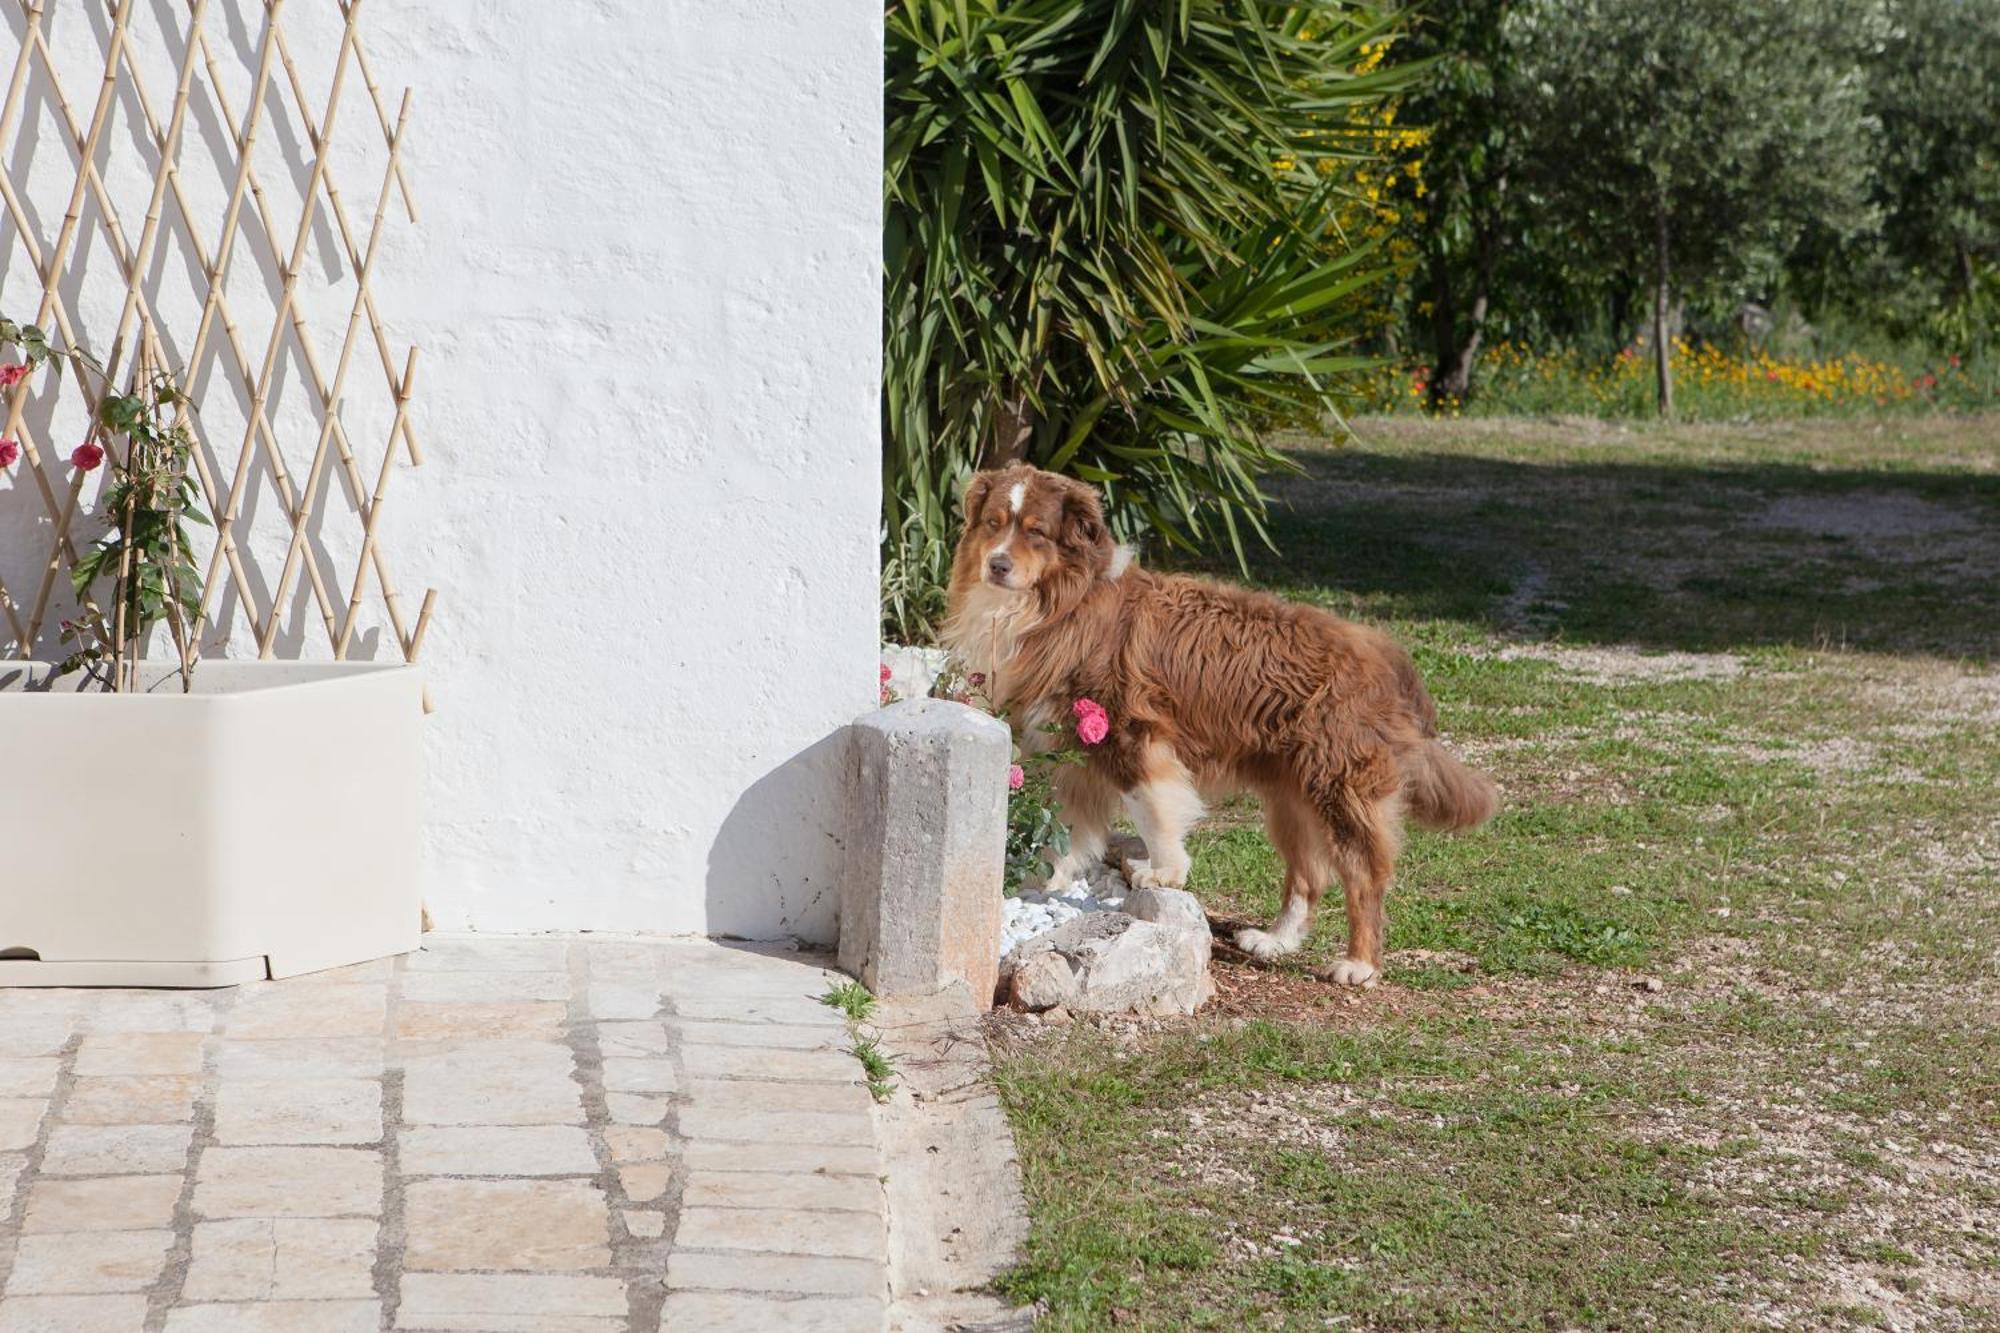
column 1038, row 911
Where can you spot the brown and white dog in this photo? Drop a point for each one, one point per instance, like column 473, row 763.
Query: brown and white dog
column 1211, row 689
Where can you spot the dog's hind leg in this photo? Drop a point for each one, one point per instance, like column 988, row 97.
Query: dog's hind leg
column 1163, row 807
column 1300, row 836
column 1365, row 855
column 1087, row 803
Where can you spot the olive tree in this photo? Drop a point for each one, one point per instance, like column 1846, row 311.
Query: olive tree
column 1933, row 82
column 1692, row 140
column 1453, row 196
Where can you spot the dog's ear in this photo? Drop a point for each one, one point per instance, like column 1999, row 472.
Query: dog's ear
column 976, row 492
column 1083, row 518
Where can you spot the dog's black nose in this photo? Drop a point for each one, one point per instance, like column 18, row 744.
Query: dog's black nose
column 999, row 565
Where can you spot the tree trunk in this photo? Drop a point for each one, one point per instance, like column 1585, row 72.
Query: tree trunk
column 1444, row 327
column 1451, row 375
column 1451, row 368
column 1455, row 381
column 1013, row 428
column 1662, row 297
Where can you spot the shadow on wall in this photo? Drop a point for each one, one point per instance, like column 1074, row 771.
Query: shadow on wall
column 775, row 867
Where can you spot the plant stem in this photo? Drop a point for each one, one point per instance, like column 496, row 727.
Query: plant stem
column 174, row 612
column 1662, row 294
column 123, row 593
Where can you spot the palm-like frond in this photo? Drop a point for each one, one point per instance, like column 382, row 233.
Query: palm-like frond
column 1109, row 220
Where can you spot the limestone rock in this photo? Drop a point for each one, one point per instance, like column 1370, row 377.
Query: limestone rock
column 1167, row 907
column 1043, row 982
column 1112, row 962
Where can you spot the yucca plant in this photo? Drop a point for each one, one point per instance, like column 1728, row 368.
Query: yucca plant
column 1110, row 249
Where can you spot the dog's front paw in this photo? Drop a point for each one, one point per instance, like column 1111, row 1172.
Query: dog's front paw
column 1143, row 875
column 1063, row 874
column 1262, row 945
column 1351, row 972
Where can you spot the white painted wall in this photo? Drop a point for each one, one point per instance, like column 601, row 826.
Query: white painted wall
column 646, row 288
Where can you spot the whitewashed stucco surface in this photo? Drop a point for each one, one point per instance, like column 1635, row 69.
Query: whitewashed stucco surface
column 646, row 289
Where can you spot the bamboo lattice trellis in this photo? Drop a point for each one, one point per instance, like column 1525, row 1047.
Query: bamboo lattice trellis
column 225, row 466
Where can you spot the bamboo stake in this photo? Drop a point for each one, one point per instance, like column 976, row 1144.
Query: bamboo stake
column 67, row 513
column 133, row 267
column 169, row 149
column 215, row 275
column 8, row 114
column 344, row 449
column 382, row 118
column 280, row 476
column 374, row 514
column 241, row 357
column 73, row 214
column 225, row 520
column 331, row 412
column 12, row 612
column 11, row 112
column 50, row 272
column 417, row 644
column 225, row 541
column 340, row 220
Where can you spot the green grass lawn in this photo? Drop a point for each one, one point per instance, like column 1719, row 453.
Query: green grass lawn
column 1703, row 1031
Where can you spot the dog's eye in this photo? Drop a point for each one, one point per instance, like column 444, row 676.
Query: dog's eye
column 993, row 524
column 1037, row 535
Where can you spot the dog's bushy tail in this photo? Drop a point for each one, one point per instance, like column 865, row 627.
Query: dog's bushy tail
column 1443, row 793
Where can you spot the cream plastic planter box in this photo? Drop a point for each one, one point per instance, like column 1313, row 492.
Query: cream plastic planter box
column 264, row 825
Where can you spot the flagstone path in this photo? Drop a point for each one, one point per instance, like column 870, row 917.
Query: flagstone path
column 505, row 1134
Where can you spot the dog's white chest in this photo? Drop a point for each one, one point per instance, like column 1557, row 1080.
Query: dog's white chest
column 987, row 630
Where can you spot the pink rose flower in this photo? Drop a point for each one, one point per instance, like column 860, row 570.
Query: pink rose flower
column 1093, row 724
column 976, row 679
column 9, row 451
column 12, row 375
column 1016, row 779
column 86, row 456
column 886, row 673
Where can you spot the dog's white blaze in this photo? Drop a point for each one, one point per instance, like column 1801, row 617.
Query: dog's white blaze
column 1016, row 496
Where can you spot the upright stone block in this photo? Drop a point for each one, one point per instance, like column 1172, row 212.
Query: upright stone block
column 920, row 907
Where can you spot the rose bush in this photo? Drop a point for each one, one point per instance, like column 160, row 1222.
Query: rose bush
column 146, row 500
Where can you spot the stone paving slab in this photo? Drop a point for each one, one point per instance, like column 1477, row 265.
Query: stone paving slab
column 502, row 1134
